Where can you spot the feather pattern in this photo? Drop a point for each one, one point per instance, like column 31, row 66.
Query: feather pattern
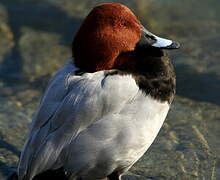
column 89, row 121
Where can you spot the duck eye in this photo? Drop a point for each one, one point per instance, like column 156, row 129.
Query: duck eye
column 120, row 24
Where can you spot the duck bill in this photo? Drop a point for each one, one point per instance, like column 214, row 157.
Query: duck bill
column 150, row 39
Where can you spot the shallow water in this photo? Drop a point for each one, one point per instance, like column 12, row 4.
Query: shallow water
column 35, row 37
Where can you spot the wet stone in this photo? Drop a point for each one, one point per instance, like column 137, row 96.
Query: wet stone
column 6, row 35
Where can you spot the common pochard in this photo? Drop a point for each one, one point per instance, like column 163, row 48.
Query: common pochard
column 103, row 109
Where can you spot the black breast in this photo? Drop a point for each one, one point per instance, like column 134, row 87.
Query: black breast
column 154, row 74
column 159, row 81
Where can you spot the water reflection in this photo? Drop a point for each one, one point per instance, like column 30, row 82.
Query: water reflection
column 204, row 87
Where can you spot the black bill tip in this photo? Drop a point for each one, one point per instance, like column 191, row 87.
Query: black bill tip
column 174, row 45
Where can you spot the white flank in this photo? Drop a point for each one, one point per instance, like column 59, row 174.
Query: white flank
column 95, row 121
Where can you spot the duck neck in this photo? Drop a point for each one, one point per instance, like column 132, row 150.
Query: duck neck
column 154, row 73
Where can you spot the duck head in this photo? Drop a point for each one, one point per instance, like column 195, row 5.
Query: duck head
column 110, row 35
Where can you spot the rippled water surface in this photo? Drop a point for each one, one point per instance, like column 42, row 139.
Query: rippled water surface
column 35, row 37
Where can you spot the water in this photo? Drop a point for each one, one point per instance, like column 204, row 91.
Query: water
column 35, row 40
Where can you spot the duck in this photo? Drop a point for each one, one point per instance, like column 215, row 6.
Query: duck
column 103, row 109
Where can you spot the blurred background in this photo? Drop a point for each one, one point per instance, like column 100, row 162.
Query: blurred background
column 35, row 39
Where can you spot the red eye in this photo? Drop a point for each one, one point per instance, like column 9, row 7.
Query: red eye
column 120, row 25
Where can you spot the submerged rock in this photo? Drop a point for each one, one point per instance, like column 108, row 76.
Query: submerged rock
column 42, row 53
column 6, row 35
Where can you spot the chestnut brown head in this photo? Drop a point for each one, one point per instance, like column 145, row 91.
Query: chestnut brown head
column 108, row 31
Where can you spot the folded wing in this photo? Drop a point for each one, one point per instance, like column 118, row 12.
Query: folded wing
column 70, row 104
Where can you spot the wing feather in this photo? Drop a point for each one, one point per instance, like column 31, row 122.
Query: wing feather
column 70, row 104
